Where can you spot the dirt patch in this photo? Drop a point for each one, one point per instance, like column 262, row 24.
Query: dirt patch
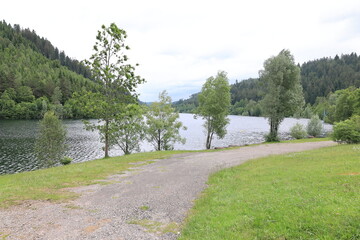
column 350, row 174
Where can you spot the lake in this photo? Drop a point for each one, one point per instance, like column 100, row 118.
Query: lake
column 17, row 138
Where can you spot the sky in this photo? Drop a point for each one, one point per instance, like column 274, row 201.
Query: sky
column 179, row 44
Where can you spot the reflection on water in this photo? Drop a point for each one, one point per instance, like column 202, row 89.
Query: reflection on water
column 17, row 138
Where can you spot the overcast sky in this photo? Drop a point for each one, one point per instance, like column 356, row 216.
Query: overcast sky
column 179, row 44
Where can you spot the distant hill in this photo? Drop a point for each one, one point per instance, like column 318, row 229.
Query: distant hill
column 325, row 75
column 318, row 78
column 30, row 69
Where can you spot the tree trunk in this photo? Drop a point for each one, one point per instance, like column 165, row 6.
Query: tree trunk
column 106, row 149
column 273, row 129
column 159, row 141
column 208, row 140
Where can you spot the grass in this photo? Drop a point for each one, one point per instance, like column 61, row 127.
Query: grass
column 144, row 208
column 50, row 184
column 307, row 140
column 308, row 195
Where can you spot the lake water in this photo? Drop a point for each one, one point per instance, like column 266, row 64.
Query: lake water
column 17, row 138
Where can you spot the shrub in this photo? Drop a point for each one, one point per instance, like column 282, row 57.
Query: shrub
column 66, row 160
column 50, row 143
column 347, row 131
column 298, row 131
column 314, row 126
column 272, row 137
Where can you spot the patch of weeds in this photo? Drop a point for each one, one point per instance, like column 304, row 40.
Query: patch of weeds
column 144, row 208
column 92, row 210
column 172, row 227
column 157, row 227
column 106, row 182
column 151, row 226
column 156, row 186
column 71, row 206
column 3, row 236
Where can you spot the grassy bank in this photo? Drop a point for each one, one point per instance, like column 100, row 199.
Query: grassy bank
column 307, row 140
column 49, row 184
column 308, row 195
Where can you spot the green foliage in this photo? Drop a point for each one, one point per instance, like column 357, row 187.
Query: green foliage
column 284, row 97
column 127, row 129
column 272, row 137
column 187, row 105
column 109, row 68
column 307, row 195
column 347, row 131
column 314, row 127
column 66, row 160
column 25, row 94
column 31, row 69
column 214, row 104
column 50, row 143
column 249, row 89
column 298, row 131
column 323, row 76
column 25, row 37
column 246, row 108
column 162, row 125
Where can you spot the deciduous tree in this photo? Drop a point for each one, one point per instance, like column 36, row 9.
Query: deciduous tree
column 284, row 96
column 214, row 106
column 110, row 68
column 50, row 143
column 127, row 130
column 162, row 124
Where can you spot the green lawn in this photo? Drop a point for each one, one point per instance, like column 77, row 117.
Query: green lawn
column 308, row 195
column 50, row 184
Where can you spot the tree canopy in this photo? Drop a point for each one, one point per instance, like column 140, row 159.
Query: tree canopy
column 116, row 77
column 214, row 104
column 284, row 97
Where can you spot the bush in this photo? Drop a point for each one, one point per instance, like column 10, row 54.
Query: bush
column 314, row 127
column 66, row 160
column 298, row 131
column 271, row 137
column 50, row 142
column 347, row 131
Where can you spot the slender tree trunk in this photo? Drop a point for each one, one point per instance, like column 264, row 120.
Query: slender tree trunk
column 159, row 141
column 273, row 129
column 208, row 141
column 106, row 139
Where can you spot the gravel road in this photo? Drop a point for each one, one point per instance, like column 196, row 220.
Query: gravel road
column 149, row 202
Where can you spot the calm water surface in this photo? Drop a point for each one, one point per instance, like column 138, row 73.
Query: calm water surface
column 17, row 138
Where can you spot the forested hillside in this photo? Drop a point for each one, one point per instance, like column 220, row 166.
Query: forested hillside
column 326, row 75
column 319, row 78
column 34, row 76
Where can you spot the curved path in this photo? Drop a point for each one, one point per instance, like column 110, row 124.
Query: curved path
column 149, row 202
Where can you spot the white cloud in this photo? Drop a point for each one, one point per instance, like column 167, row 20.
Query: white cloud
column 181, row 43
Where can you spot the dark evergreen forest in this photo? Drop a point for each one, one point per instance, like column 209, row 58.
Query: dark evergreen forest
column 35, row 76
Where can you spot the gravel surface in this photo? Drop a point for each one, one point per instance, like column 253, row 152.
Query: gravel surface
column 149, row 202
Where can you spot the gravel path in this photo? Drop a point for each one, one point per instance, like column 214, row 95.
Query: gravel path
column 149, row 202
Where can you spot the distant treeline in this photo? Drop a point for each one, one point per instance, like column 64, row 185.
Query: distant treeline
column 319, row 78
column 35, row 77
column 28, row 38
